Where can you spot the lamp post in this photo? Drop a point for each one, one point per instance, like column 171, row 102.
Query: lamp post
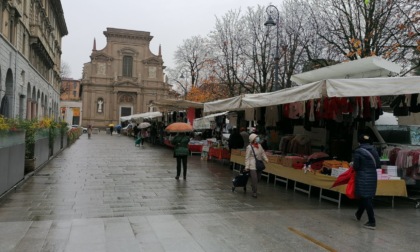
column 273, row 11
column 185, row 88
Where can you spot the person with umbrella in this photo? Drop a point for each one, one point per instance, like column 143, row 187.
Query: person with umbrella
column 180, row 143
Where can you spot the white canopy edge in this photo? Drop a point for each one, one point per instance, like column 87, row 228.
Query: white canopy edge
column 373, row 86
column 230, row 104
column 371, row 67
column 301, row 93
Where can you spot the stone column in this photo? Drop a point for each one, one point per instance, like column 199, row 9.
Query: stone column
column 28, row 109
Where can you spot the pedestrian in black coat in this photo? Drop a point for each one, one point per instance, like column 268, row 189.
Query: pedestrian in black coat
column 365, row 162
column 235, row 140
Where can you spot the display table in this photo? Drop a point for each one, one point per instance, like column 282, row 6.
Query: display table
column 324, row 182
column 195, row 148
column 219, row 153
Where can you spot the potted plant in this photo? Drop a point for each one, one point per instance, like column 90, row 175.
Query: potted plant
column 12, row 153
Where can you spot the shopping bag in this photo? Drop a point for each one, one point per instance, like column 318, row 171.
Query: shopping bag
column 351, row 187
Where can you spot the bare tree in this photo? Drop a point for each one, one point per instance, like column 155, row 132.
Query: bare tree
column 242, row 52
column 65, row 71
column 64, row 74
column 192, row 56
column 357, row 29
column 225, row 40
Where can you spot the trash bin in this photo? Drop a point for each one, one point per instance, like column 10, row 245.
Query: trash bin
column 108, row 131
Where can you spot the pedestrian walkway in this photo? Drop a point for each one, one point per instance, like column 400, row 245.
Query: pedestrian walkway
column 105, row 194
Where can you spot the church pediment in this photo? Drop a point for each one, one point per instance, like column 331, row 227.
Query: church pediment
column 100, row 57
column 128, row 51
column 152, row 61
column 126, row 83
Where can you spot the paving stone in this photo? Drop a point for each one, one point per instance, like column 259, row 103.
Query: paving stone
column 89, row 198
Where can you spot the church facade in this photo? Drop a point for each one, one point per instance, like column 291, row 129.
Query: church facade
column 122, row 79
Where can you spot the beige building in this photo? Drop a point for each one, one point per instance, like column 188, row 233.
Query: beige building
column 70, row 102
column 30, row 58
column 122, row 79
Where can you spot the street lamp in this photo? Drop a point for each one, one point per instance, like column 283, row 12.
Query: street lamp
column 273, row 11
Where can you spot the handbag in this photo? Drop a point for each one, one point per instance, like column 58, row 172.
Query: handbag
column 259, row 164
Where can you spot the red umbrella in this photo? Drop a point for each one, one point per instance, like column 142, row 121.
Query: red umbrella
column 179, row 127
column 344, row 177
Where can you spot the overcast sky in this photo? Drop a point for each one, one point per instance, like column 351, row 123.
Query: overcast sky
column 168, row 21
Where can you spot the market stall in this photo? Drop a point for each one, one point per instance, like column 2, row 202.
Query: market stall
column 392, row 188
column 327, row 104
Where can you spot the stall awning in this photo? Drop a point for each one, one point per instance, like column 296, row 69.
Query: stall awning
column 318, row 89
column 371, row 67
column 173, row 104
column 231, row 104
column 147, row 115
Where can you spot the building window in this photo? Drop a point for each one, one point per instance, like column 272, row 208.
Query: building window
column 74, row 85
column 74, row 93
column 127, row 66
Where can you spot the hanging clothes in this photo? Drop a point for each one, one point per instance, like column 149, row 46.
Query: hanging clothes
column 271, row 116
column 249, row 114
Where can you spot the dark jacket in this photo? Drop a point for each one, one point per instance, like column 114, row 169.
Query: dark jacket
column 365, row 167
column 180, row 143
column 235, row 141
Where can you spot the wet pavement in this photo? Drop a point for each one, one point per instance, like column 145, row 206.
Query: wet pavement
column 105, row 194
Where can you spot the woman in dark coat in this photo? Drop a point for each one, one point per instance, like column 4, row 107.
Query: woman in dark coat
column 365, row 162
column 180, row 143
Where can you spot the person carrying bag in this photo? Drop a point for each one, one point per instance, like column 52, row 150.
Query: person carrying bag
column 254, row 154
column 365, row 162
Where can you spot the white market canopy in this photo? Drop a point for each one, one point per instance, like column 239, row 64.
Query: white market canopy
column 147, row 115
column 205, row 122
column 324, row 88
column 371, row 67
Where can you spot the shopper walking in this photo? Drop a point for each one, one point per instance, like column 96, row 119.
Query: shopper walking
column 235, row 140
column 136, row 130
column 254, row 147
column 365, row 162
column 180, row 143
column 89, row 131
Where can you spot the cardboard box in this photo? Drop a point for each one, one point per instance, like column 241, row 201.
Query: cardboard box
column 274, row 159
column 236, row 152
column 293, row 161
column 243, row 152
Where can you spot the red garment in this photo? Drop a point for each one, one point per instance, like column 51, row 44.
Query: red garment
column 367, row 113
column 255, row 145
column 344, row 177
